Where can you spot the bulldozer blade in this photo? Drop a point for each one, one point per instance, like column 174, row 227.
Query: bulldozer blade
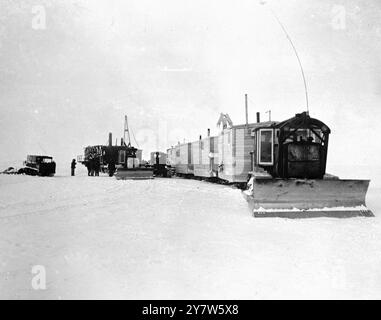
column 296, row 198
column 134, row 174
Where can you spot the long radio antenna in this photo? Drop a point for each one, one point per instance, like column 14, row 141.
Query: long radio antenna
column 136, row 141
column 293, row 47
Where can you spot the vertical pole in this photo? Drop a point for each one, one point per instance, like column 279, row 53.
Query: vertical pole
column 126, row 129
column 247, row 111
column 324, row 167
column 269, row 112
column 110, row 139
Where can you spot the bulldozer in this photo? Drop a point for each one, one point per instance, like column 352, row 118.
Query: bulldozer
column 132, row 168
column 289, row 179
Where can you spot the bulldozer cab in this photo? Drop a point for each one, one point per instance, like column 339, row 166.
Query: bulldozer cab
column 295, row 148
column 127, row 157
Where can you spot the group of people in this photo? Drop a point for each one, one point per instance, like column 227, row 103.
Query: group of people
column 94, row 167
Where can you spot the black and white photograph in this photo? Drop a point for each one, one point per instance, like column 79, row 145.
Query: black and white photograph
column 181, row 150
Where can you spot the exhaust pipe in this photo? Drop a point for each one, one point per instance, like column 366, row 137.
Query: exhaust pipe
column 110, row 139
column 258, row 117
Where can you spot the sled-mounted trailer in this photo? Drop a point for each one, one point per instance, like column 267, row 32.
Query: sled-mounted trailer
column 289, row 174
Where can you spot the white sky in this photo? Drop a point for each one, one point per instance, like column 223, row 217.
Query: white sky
column 173, row 66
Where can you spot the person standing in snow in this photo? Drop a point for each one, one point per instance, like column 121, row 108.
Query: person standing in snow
column 88, row 168
column 111, row 168
column 97, row 165
column 73, row 165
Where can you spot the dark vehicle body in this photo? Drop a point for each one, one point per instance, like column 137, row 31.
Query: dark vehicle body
column 37, row 165
column 108, row 158
column 160, row 166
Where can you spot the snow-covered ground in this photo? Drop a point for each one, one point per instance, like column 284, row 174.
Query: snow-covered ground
column 178, row 239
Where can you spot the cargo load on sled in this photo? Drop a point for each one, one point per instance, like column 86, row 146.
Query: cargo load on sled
column 289, row 176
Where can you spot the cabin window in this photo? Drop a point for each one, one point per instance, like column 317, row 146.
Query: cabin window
column 266, row 147
column 302, row 135
column 178, row 153
column 318, row 136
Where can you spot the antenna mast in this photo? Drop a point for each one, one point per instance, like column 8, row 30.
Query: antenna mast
column 293, row 47
column 126, row 130
column 269, row 112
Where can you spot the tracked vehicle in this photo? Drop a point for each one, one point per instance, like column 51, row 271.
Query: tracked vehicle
column 132, row 168
column 37, row 165
column 289, row 179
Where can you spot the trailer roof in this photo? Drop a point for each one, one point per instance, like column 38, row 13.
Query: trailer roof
column 256, row 125
column 39, row 156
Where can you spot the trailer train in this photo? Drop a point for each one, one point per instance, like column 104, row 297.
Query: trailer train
column 227, row 157
column 282, row 166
